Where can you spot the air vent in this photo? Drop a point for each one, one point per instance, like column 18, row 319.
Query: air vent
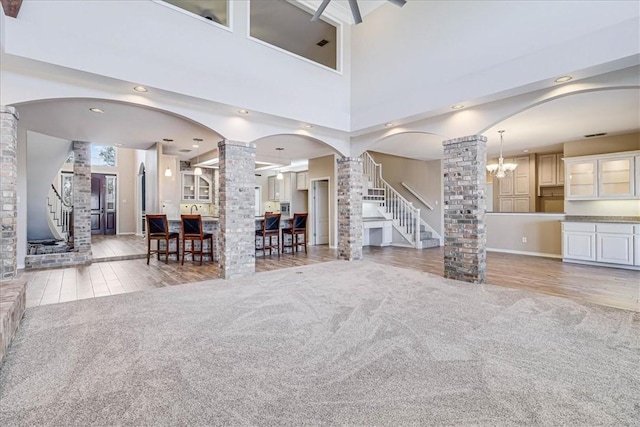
column 322, row 42
column 595, row 134
column 184, row 151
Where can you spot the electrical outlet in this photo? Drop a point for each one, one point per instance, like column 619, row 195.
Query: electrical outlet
column 524, row 239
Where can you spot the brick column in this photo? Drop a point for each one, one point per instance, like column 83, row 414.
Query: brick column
column 8, row 189
column 81, row 196
column 350, row 208
column 237, row 225
column 465, row 238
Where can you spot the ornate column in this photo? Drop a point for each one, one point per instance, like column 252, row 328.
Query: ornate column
column 81, row 196
column 8, row 191
column 237, row 224
column 350, row 208
column 465, row 238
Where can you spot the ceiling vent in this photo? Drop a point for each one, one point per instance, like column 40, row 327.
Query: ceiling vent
column 322, row 42
column 184, row 151
column 593, row 135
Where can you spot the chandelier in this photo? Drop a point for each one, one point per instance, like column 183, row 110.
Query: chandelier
column 501, row 169
column 353, row 5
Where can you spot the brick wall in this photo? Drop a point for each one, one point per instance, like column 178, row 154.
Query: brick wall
column 465, row 239
column 350, row 189
column 81, row 196
column 237, row 214
column 8, row 184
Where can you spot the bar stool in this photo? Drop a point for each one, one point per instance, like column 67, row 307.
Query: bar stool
column 192, row 230
column 298, row 228
column 158, row 229
column 270, row 229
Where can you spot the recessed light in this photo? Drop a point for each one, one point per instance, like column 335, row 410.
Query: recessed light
column 563, row 79
column 308, row 126
column 243, row 112
column 388, row 125
column 140, row 89
column 457, row 107
column 167, row 139
column 196, row 145
column 96, row 110
column 117, row 144
column 525, row 151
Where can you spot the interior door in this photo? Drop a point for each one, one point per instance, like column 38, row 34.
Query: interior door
column 321, row 212
column 103, row 204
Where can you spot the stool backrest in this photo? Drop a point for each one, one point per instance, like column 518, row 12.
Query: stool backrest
column 271, row 222
column 300, row 221
column 191, row 225
column 157, row 224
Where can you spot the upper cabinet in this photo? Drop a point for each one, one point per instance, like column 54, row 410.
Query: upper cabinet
column 196, row 188
column 302, row 180
column 550, row 170
column 606, row 176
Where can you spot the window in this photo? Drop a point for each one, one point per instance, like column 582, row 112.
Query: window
column 287, row 26
column 103, row 155
column 213, row 10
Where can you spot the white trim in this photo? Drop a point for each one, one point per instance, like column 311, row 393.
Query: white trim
column 538, row 254
column 601, row 264
column 228, row 28
column 416, row 195
column 311, row 220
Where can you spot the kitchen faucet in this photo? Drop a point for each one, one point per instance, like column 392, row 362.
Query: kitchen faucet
column 193, row 206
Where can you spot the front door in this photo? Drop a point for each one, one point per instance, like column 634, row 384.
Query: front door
column 103, row 204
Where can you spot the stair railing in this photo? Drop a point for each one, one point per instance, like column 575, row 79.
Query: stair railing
column 405, row 216
column 59, row 211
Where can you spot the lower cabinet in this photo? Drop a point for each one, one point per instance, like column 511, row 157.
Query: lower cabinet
column 606, row 243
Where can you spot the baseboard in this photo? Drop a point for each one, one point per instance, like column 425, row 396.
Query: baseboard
column 130, row 233
column 601, row 264
column 538, row 254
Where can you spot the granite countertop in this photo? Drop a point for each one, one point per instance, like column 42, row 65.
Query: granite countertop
column 616, row 219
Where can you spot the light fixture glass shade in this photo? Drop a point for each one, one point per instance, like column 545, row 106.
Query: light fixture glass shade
column 197, row 170
column 167, row 172
column 279, row 176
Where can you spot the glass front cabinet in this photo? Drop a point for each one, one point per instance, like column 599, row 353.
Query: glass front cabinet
column 606, row 176
column 196, row 188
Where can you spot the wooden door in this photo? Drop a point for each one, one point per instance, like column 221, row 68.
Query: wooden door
column 103, row 204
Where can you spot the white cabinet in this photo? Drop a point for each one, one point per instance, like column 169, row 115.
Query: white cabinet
column 196, row 188
column 302, row 180
column 274, row 188
column 606, row 176
column 579, row 241
column 281, row 189
column 607, row 243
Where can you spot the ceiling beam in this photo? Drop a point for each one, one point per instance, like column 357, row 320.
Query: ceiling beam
column 11, row 7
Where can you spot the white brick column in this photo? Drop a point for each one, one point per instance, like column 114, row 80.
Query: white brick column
column 350, row 208
column 465, row 204
column 8, row 191
column 237, row 226
column 81, row 196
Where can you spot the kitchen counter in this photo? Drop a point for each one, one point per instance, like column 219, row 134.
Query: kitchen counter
column 603, row 219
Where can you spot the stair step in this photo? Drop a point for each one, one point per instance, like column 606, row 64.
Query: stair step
column 430, row 243
column 425, row 235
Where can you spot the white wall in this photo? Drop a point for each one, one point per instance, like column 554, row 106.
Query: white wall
column 147, row 43
column 430, row 55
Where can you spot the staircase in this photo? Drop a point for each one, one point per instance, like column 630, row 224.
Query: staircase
column 59, row 214
column 405, row 217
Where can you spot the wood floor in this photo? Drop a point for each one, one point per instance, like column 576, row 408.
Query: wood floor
column 123, row 269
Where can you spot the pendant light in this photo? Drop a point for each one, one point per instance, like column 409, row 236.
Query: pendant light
column 167, row 172
column 501, row 169
column 198, row 169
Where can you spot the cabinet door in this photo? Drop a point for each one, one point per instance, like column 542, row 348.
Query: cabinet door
column 547, row 170
column 636, row 250
column 521, row 204
column 505, row 184
column 615, row 248
column 188, row 187
column 521, row 177
column 581, row 179
column 616, row 177
column 637, row 169
column 273, row 192
column 506, row 204
column 204, row 189
column 302, row 181
column 581, row 246
column 559, row 169
column 286, row 187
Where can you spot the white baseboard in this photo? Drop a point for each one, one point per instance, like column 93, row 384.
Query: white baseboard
column 601, row 264
column 539, row 254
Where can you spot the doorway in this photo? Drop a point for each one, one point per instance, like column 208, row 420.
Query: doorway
column 103, row 204
column 320, row 210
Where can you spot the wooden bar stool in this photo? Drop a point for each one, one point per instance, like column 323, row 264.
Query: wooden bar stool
column 298, row 228
column 270, row 229
column 192, row 231
column 158, row 229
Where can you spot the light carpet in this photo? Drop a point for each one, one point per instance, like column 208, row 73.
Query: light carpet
column 338, row 343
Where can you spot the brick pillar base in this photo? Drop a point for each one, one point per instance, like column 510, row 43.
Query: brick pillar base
column 81, row 196
column 8, row 192
column 350, row 208
column 465, row 238
column 237, row 226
